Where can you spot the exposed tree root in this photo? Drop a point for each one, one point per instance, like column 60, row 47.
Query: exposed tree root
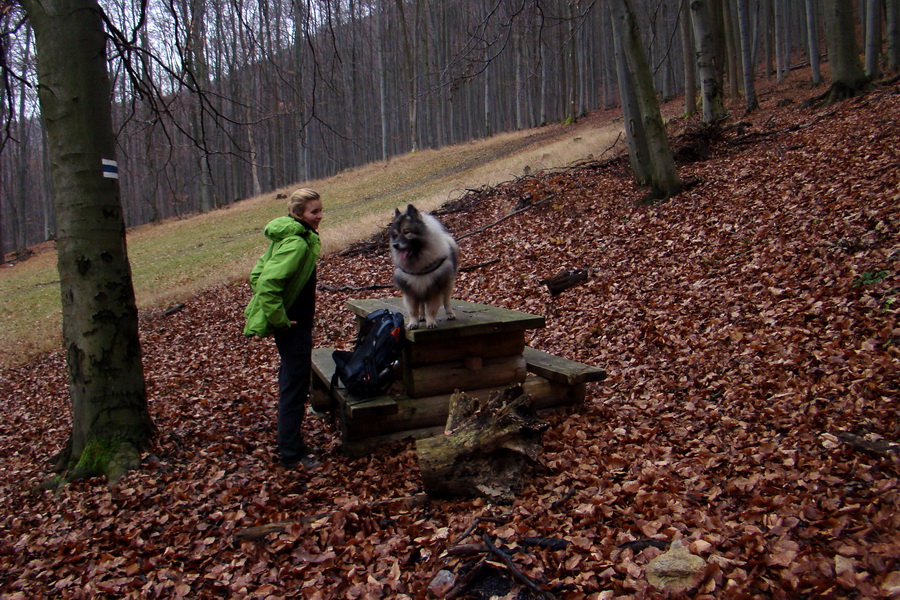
column 836, row 93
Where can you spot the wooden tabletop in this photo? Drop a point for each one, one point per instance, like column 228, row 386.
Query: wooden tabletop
column 471, row 319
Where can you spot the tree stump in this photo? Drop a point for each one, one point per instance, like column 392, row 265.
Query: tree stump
column 485, row 447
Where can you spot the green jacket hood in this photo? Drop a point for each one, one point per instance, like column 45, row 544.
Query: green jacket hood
column 283, row 227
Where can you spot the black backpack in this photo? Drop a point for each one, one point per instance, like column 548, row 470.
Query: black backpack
column 368, row 370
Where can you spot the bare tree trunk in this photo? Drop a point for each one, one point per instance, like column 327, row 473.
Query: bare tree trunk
column 750, row 101
column 47, row 206
column 412, row 80
column 519, row 77
column 687, row 57
column 486, row 72
column 635, row 136
column 572, row 69
column 301, row 32
column 707, row 63
column 110, row 419
column 3, row 119
column 382, row 79
column 664, row 180
column 847, row 75
column 892, row 34
column 2, row 195
column 544, row 76
column 732, row 53
column 18, row 201
column 873, row 37
column 769, row 35
column 780, row 60
column 195, row 16
column 812, row 30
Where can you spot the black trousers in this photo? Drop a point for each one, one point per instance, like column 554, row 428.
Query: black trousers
column 295, row 349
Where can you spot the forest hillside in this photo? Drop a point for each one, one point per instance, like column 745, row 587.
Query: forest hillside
column 750, row 415
column 174, row 259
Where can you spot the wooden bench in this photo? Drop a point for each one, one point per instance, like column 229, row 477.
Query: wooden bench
column 557, row 368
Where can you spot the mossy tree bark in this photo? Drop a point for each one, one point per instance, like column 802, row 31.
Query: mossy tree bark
column 110, row 418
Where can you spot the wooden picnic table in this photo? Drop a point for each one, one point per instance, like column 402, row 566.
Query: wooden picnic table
column 482, row 348
column 481, row 351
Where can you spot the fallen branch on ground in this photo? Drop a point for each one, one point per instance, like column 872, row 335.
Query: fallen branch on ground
column 479, row 265
column 877, row 447
column 500, row 220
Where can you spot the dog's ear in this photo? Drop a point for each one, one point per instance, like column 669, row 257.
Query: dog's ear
column 397, row 212
column 412, row 211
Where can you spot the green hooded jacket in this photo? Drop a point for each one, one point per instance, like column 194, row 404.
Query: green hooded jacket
column 280, row 274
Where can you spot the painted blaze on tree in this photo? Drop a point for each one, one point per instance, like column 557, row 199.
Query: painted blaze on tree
column 110, row 418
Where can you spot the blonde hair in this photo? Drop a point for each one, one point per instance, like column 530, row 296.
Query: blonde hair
column 298, row 200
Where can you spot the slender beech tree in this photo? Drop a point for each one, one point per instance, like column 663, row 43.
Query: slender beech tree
column 659, row 164
column 812, row 31
column 750, row 101
column 635, row 136
column 194, row 17
column 110, row 418
column 731, row 53
column 873, row 37
column 408, row 42
column 708, row 63
column 892, row 33
column 687, row 57
column 378, row 15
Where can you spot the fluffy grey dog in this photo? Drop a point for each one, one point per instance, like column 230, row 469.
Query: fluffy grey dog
column 425, row 264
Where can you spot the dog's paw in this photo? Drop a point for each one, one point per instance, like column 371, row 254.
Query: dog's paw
column 413, row 325
column 451, row 316
column 432, row 325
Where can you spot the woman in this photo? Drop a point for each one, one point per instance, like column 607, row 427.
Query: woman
column 283, row 304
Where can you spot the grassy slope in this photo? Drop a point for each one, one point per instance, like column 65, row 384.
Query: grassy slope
column 173, row 260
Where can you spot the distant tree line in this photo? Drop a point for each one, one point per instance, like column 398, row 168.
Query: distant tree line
column 218, row 100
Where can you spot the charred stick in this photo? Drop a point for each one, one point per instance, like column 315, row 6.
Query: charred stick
column 514, row 571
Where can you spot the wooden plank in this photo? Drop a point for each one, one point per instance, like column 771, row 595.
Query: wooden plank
column 481, row 346
column 356, row 448
column 322, row 364
column 376, row 406
column 418, row 413
column 471, row 319
column 323, row 367
column 561, row 369
column 444, row 378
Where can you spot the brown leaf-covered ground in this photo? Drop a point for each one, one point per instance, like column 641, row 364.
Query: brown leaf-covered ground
column 747, row 325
